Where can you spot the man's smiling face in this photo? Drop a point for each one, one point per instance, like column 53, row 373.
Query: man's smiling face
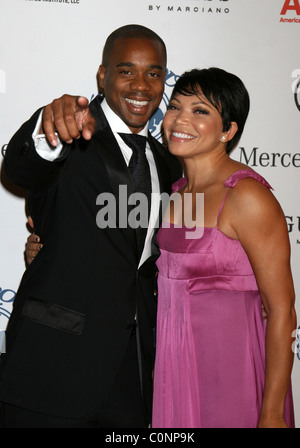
column 133, row 80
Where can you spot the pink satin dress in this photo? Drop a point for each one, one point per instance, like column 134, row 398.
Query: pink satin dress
column 210, row 357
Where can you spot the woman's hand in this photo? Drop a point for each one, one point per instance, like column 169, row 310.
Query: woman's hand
column 33, row 245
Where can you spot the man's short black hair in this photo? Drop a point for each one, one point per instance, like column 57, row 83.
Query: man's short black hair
column 127, row 32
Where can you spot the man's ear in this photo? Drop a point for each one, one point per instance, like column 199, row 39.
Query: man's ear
column 101, row 76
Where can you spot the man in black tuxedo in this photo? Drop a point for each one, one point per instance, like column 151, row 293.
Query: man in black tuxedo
column 80, row 340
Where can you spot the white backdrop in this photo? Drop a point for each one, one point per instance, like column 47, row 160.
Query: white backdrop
column 51, row 47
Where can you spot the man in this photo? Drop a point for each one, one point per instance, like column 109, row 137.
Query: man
column 80, row 341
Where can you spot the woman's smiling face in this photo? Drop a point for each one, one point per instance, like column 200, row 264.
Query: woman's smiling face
column 192, row 126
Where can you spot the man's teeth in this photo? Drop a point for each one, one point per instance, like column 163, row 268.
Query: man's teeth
column 182, row 135
column 137, row 103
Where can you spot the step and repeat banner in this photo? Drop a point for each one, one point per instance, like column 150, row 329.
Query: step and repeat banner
column 52, row 47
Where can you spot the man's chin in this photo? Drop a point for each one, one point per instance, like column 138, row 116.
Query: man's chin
column 136, row 126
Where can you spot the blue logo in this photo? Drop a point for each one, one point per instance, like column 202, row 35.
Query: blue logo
column 7, row 297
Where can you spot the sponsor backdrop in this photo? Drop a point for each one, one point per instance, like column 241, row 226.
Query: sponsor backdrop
column 51, row 47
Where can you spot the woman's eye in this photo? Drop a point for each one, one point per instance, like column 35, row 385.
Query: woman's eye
column 201, row 111
column 171, row 107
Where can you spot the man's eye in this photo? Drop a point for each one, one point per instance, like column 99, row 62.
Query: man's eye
column 154, row 75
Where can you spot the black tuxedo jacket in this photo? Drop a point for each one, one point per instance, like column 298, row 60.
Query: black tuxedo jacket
column 77, row 301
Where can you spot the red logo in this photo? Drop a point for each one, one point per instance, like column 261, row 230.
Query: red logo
column 291, row 5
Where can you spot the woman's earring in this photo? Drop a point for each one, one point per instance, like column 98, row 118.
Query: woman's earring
column 223, row 138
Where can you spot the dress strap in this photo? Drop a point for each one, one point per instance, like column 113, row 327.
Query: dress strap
column 231, row 182
column 243, row 174
column 180, row 183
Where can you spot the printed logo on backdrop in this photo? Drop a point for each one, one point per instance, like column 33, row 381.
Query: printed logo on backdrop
column 7, row 297
column 68, row 2
column 296, row 87
column 296, row 343
column 257, row 158
column 290, row 11
column 293, row 225
column 191, row 6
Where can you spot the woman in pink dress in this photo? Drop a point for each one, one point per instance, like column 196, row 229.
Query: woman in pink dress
column 219, row 362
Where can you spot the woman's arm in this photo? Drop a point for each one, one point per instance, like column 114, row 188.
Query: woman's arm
column 261, row 228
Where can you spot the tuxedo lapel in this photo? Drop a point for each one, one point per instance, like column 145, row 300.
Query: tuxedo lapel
column 109, row 150
column 120, row 181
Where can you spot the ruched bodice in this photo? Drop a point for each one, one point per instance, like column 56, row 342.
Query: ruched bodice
column 218, row 262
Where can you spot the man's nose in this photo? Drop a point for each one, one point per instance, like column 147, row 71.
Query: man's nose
column 140, row 83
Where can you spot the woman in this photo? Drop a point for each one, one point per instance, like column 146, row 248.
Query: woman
column 218, row 363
